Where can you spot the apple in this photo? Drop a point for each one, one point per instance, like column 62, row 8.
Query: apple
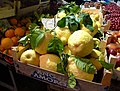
column 30, row 57
column 49, row 62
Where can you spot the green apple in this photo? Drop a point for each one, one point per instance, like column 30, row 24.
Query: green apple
column 30, row 57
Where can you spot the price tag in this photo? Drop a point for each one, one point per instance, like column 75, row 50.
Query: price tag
column 48, row 23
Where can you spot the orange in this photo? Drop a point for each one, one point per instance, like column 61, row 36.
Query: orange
column 15, row 40
column 1, row 48
column 24, row 21
column 9, row 33
column 6, row 43
column 8, row 52
column 13, row 21
column 19, row 32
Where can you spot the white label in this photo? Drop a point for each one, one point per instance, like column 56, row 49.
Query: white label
column 48, row 23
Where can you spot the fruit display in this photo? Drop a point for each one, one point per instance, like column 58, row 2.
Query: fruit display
column 72, row 48
column 112, row 13
column 12, row 33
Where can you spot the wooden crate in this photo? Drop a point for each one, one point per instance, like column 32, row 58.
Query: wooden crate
column 27, row 7
column 116, row 73
column 58, row 79
column 7, row 9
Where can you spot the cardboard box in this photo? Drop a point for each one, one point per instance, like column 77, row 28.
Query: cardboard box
column 58, row 79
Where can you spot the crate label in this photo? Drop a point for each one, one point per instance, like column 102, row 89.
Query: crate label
column 41, row 75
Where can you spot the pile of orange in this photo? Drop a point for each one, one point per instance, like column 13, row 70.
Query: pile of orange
column 13, row 34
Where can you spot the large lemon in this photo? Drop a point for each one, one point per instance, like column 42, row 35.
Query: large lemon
column 81, row 43
column 49, row 62
column 63, row 34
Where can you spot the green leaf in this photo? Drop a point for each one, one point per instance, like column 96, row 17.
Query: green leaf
column 62, row 23
column 85, row 65
column 99, row 34
column 39, row 38
column 86, row 19
column 61, row 66
column 32, row 26
column 106, row 65
column 73, row 26
column 91, row 28
column 71, row 81
column 24, row 40
column 36, row 38
column 70, row 8
column 55, row 46
column 33, row 40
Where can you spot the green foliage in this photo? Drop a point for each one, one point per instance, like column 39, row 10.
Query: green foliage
column 71, row 21
column 55, row 46
column 61, row 66
column 106, row 65
column 85, row 65
column 35, row 37
column 71, row 81
column 70, row 8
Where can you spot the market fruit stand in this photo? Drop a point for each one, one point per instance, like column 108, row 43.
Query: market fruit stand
column 58, row 77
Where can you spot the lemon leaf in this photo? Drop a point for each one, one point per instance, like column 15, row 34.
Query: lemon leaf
column 106, row 65
column 86, row 19
column 39, row 38
column 71, row 81
column 61, row 66
column 62, row 23
column 33, row 40
column 73, row 26
column 25, row 40
column 32, row 26
column 85, row 65
column 91, row 28
column 55, row 46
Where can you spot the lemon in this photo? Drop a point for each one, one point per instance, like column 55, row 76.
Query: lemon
column 49, row 62
column 63, row 34
column 80, row 43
